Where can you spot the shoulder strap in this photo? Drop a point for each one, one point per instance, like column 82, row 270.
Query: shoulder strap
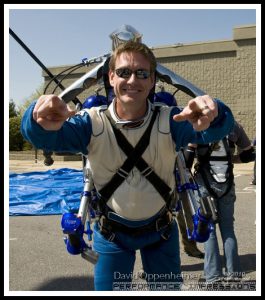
column 227, row 157
column 134, row 159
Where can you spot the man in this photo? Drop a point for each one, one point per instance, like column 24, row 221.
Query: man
column 214, row 174
column 135, row 214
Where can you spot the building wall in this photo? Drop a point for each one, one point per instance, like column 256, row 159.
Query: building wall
column 223, row 69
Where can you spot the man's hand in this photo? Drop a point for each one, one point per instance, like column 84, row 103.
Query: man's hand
column 200, row 112
column 50, row 112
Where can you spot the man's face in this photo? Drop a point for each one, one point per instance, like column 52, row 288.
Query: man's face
column 131, row 90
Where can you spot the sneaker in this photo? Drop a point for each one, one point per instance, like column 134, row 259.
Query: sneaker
column 215, row 284
column 216, row 280
column 230, row 279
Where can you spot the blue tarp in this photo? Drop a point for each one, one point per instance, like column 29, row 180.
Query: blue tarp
column 45, row 193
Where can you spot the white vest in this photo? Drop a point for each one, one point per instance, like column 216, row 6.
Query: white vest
column 135, row 198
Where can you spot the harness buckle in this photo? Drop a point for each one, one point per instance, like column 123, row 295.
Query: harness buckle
column 164, row 221
column 147, row 171
column 166, row 235
column 105, row 229
column 111, row 237
column 122, row 173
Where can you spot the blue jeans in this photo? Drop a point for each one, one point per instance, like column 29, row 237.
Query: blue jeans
column 160, row 259
column 212, row 259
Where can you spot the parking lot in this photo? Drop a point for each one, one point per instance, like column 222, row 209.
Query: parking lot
column 38, row 260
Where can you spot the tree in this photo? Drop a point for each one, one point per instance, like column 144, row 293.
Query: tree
column 34, row 96
column 16, row 140
column 12, row 109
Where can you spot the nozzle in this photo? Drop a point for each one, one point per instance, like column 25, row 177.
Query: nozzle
column 202, row 226
column 90, row 255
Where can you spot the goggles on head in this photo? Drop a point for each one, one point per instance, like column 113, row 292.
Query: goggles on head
column 124, row 34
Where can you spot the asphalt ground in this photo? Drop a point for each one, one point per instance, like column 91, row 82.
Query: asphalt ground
column 37, row 260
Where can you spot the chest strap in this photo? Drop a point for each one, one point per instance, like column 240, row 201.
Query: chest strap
column 134, row 158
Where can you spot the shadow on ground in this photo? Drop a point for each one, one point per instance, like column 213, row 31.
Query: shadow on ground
column 248, row 264
column 68, row 284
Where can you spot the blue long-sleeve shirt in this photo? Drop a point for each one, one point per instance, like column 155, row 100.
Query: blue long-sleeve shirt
column 75, row 134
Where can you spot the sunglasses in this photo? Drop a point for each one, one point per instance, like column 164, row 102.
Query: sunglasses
column 127, row 73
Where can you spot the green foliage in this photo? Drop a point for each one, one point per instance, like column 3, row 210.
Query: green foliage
column 12, row 109
column 16, row 140
column 34, row 96
column 24, row 106
column 27, row 146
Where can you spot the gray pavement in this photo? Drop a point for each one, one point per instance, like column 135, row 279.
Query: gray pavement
column 38, row 260
column 20, row 166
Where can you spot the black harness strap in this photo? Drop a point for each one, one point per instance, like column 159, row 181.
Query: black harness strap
column 162, row 188
column 134, row 159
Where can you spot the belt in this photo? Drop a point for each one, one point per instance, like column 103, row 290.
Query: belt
column 108, row 227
